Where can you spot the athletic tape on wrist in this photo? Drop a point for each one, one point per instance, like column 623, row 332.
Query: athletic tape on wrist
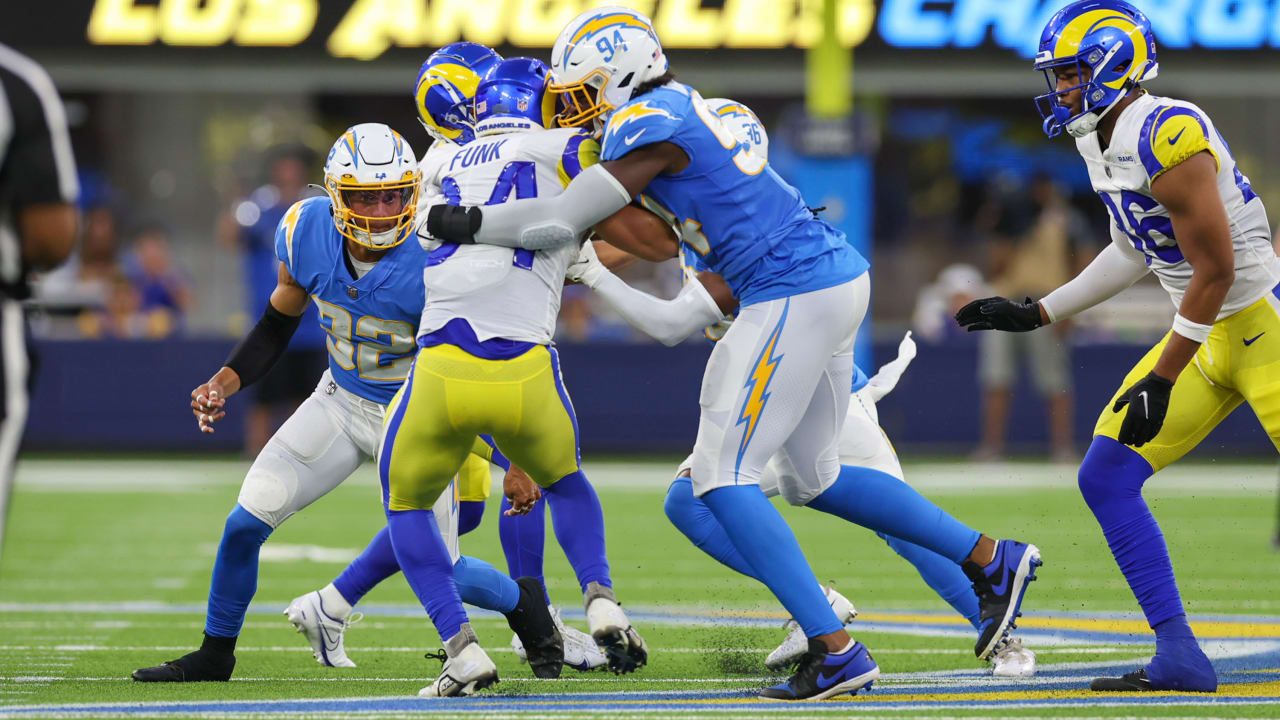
column 1190, row 330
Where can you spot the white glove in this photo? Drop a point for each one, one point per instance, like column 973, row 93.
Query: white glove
column 587, row 269
column 886, row 378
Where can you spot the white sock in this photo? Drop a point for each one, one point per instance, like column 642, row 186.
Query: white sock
column 846, row 648
column 335, row 605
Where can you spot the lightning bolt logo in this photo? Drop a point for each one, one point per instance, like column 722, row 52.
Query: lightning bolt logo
column 757, row 386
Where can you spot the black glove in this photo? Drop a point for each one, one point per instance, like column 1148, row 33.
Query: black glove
column 1148, row 401
column 997, row 313
column 453, row 223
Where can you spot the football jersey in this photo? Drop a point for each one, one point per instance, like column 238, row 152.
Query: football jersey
column 429, row 192
column 369, row 321
column 501, row 292
column 1152, row 135
column 745, row 221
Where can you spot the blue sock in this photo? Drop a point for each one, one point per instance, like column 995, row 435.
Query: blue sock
column 578, row 521
column 480, row 584
column 1111, row 479
column 425, row 561
column 470, row 513
column 375, row 564
column 768, row 545
column 524, row 538
column 883, row 503
column 692, row 517
column 942, row 575
column 235, row 573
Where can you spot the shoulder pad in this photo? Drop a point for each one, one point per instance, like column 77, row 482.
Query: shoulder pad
column 303, row 218
column 1171, row 134
column 652, row 119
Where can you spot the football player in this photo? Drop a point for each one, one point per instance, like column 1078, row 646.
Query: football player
column 486, row 364
column 1181, row 209
column 346, row 252
column 780, row 377
column 862, row 445
column 444, row 94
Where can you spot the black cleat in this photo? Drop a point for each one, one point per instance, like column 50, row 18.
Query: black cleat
column 532, row 622
column 1135, row 681
column 199, row 666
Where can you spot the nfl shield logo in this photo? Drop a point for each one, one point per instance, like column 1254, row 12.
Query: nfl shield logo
column 522, row 104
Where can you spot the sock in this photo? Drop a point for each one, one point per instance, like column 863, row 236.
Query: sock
column 375, row 564
column 524, row 540
column 1111, row 479
column 218, row 645
column 333, row 603
column 578, row 521
column 768, row 545
column 480, row 584
column 692, row 517
column 942, row 575
column 470, row 513
column 235, row 573
column 883, row 503
column 425, row 561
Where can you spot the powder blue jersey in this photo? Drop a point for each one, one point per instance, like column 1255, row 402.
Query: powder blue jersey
column 370, row 322
column 745, row 222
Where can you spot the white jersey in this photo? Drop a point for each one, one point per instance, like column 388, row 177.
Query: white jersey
column 429, row 194
column 1152, row 135
column 502, row 292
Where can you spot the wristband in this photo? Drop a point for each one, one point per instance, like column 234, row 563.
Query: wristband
column 1190, row 330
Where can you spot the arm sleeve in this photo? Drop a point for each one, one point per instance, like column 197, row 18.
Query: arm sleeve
column 266, row 342
column 38, row 166
column 667, row 321
column 542, row 223
column 1107, row 275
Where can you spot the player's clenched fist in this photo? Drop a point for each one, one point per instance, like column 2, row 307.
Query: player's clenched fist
column 1148, row 400
column 997, row 313
column 207, row 402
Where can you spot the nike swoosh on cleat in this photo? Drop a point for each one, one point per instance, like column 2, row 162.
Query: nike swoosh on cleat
column 1003, row 587
column 825, row 681
column 1173, row 140
column 1253, row 339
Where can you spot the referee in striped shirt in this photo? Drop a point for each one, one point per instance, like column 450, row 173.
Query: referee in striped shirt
column 38, row 222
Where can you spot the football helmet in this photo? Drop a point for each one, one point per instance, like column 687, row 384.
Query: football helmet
column 1111, row 46
column 513, row 96
column 600, row 57
column 446, row 86
column 372, row 157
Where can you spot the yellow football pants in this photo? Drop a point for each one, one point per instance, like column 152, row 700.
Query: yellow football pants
column 474, row 480
column 1239, row 362
column 452, row 396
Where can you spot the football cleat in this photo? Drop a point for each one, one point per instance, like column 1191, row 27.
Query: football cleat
column 820, row 674
column 467, row 668
column 796, row 644
column 199, row 666
column 536, row 628
column 323, row 631
column 1013, row 660
column 1000, row 585
column 612, row 631
column 580, row 652
column 1179, row 665
column 1135, row 681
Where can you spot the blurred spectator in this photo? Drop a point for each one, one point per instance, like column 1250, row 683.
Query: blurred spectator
column 164, row 292
column 83, row 280
column 1032, row 253
column 295, row 375
column 118, row 315
column 937, row 304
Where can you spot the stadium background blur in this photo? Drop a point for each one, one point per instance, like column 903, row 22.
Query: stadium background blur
column 195, row 122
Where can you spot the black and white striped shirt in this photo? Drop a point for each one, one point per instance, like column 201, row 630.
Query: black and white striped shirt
column 36, row 164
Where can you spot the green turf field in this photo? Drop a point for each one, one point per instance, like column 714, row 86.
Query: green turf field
column 107, row 565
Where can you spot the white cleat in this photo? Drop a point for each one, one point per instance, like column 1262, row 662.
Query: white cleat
column 323, row 631
column 1013, row 660
column 467, row 668
column 580, row 652
column 612, row 631
column 796, row 644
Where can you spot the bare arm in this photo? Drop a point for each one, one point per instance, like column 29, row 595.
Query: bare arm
column 637, row 232
column 48, row 233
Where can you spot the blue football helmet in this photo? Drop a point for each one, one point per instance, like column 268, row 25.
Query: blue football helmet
column 446, row 86
column 513, row 96
column 1109, row 42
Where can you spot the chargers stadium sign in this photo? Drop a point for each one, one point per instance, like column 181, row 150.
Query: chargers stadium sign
column 365, row 29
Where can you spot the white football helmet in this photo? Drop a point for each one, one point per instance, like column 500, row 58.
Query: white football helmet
column 372, row 157
column 599, row 59
column 744, row 124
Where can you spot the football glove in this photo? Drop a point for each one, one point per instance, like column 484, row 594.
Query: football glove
column 453, row 223
column 997, row 313
column 587, row 268
column 1148, row 401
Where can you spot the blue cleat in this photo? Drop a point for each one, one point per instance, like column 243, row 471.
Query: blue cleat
column 820, row 674
column 1000, row 586
column 1179, row 665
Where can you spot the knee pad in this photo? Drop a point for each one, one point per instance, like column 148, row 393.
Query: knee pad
column 270, row 489
column 1111, row 470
